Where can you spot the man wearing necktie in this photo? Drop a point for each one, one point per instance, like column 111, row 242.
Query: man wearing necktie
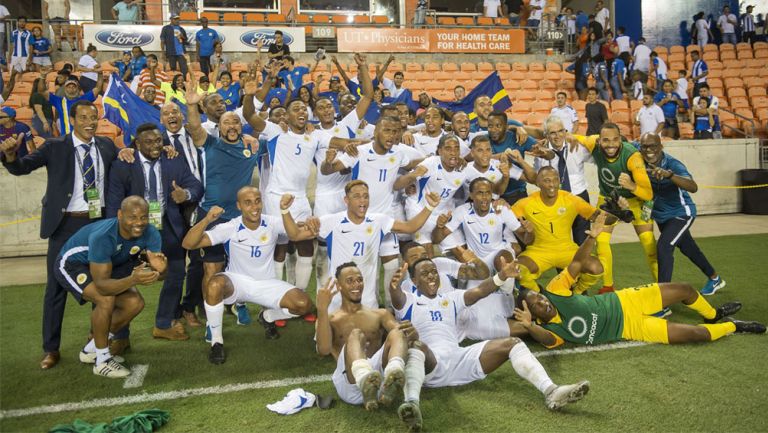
column 166, row 184
column 78, row 166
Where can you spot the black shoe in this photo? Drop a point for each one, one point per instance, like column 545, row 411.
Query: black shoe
column 270, row 330
column 725, row 310
column 217, row 356
column 746, row 327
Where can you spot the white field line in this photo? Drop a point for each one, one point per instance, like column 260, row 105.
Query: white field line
column 224, row 389
column 136, row 379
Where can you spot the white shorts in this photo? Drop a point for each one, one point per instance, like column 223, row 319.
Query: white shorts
column 456, row 366
column 18, row 63
column 329, row 203
column 350, row 392
column 267, row 293
column 390, row 246
column 487, row 318
column 424, row 235
column 42, row 61
column 300, row 210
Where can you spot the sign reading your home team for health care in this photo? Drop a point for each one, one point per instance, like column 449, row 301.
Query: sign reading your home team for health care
column 505, row 41
column 234, row 38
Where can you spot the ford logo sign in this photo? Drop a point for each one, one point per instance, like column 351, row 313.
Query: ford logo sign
column 267, row 35
column 118, row 39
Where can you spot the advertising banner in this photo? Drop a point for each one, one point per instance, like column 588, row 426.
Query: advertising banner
column 447, row 40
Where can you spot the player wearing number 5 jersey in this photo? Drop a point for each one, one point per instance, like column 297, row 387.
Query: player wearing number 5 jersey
column 355, row 235
column 249, row 241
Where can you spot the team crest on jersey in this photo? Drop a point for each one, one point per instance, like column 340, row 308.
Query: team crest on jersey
column 81, row 278
column 264, row 238
column 492, row 178
column 561, row 211
column 369, row 230
column 246, row 153
column 444, row 303
column 457, row 182
column 135, row 250
column 336, row 130
column 119, row 247
column 391, row 159
column 491, row 222
column 306, row 138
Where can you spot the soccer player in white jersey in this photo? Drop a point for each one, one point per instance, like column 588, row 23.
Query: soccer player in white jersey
column 426, row 140
column 498, row 171
column 435, row 318
column 442, row 174
column 355, row 235
column 249, row 241
column 460, row 127
column 377, row 164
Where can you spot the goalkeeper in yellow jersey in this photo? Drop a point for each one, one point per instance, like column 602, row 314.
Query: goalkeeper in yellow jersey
column 557, row 314
column 621, row 173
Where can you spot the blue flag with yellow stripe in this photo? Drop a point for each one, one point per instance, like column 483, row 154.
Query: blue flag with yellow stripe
column 491, row 86
column 126, row 109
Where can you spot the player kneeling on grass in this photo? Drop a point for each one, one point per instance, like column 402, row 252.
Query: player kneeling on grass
column 366, row 343
column 435, row 318
column 250, row 241
column 560, row 315
column 100, row 264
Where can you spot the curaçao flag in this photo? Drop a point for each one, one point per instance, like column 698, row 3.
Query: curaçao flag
column 491, row 86
column 126, row 109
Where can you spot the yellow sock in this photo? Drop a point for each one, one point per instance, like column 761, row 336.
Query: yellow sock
column 606, row 257
column 584, row 282
column 719, row 330
column 528, row 279
column 702, row 306
column 649, row 246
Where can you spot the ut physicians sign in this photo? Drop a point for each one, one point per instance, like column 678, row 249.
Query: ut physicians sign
column 381, row 40
column 118, row 37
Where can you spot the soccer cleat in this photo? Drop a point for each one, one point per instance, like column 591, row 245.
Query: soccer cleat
column 712, row 286
column 310, row 318
column 724, row 311
column 665, row 312
column 564, row 394
column 208, row 336
column 111, row 369
column 281, row 323
column 370, row 389
column 410, row 413
column 392, row 388
column 270, row 330
column 243, row 315
column 605, row 289
column 90, row 358
column 217, row 355
column 746, row 327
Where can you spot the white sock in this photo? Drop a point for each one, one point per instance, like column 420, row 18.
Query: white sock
column 303, row 272
column 279, row 268
column 395, row 363
column 414, row 375
column 290, row 268
column 321, row 264
column 529, row 368
column 361, row 368
column 273, row 314
column 215, row 317
column 102, row 355
column 90, row 347
column 390, row 268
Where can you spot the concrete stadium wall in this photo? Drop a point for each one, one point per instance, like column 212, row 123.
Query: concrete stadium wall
column 712, row 162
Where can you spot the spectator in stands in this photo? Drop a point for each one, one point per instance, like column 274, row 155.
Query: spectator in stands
column 277, row 50
column 536, row 7
column 9, row 127
column 600, row 73
column 699, row 72
column 20, row 47
column 702, row 33
column 566, row 113
column 292, row 75
column 42, row 119
column 5, row 13
column 148, row 95
column 395, row 86
column 658, row 69
column 459, row 92
column 72, row 94
column 492, row 8
column 126, row 12
column 61, row 79
column 595, row 46
column 649, row 117
column 333, row 92
column 90, row 69
column 595, row 27
column 596, row 112
column 153, row 76
column 624, row 44
column 514, row 9
column 138, row 62
column 204, row 40
column 713, row 106
column 748, row 26
column 123, row 66
column 175, row 89
column 424, row 102
column 609, row 49
column 219, row 59
column 703, row 121
column 583, row 38
column 638, row 85
column 582, row 21
column 56, row 12
column 305, row 94
column 641, row 58
column 670, row 102
column 229, row 91
column 602, row 15
column 681, row 87
column 618, row 73
column 41, row 51
column 727, row 23
column 204, row 85
column 580, row 69
column 570, row 25
column 173, row 42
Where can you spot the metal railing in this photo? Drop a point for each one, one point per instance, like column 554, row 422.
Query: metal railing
column 747, row 134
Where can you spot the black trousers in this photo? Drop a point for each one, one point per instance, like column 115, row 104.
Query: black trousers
column 55, row 299
column 580, row 225
column 194, row 296
column 178, row 62
column 676, row 233
column 205, row 65
column 168, row 307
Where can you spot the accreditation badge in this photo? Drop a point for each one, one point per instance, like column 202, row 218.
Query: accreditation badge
column 94, row 203
column 156, row 214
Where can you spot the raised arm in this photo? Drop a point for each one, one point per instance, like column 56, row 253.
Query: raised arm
column 395, row 293
column 323, row 329
column 383, row 70
column 680, row 180
column 409, row 178
column 365, row 82
column 473, row 267
column 194, row 123
column 295, row 232
column 340, row 69
column 196, row 237
column 330, row 164
column 415, row 223
column 508, row 270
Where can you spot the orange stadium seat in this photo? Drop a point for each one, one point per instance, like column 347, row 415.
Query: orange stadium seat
column 361, row 19
column 446, row 21
column 529, row 85
column 731, row 71
column 28, row 77
column 485, row 67
column 676, row 49
column 661, row 50
column 468, row 67
column 635, row 105
column 380, row 19
column 276, row 18
column 547, row 85
column 743, row 46
column 232, row 18
column 619, row 105
column 736, row 92
column 761, row 54
column 479, row 75
column 450, row 67
column 727, row 55
column 503, row 67
column 553, row 67
column 517, row 75
column 430, row 20
column 676, row 58
column 339, row 19
column 15, row 101
column 431, row 67
column 213, row 17
column 301, row 18
column 759, row 102
column 541, row 106
column 188, row 16
column 520, row 67
column 525, row 95
column 484, row 21
column 708, row 48
column 711, row 56
column 550, row 75
column 579, row 105
column 733, row 82
column 750, row 82
column 442, row 75
column 321, row 19
column 744, row 54
column 413, row 67
column 536, row 119
column 715, row 65
column 756, row 91
column 620, row 117
column 465, row 21
column 715, row 73
column 511, row 85
column 420, row 75
column 536, row 67
column 546, row 95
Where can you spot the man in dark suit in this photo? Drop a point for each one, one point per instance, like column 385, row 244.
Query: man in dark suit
column 176, row 135
column 166, row 184
column 78, row 167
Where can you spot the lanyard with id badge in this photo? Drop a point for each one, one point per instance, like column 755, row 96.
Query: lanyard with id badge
column 155, row 207
column 92, row 194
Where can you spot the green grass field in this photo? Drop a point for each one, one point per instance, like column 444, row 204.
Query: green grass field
column 715, row 387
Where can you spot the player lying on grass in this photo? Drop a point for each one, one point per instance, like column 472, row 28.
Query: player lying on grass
column 556, row 314
column 434, row 317
column 366, row 343
column 101, row 264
